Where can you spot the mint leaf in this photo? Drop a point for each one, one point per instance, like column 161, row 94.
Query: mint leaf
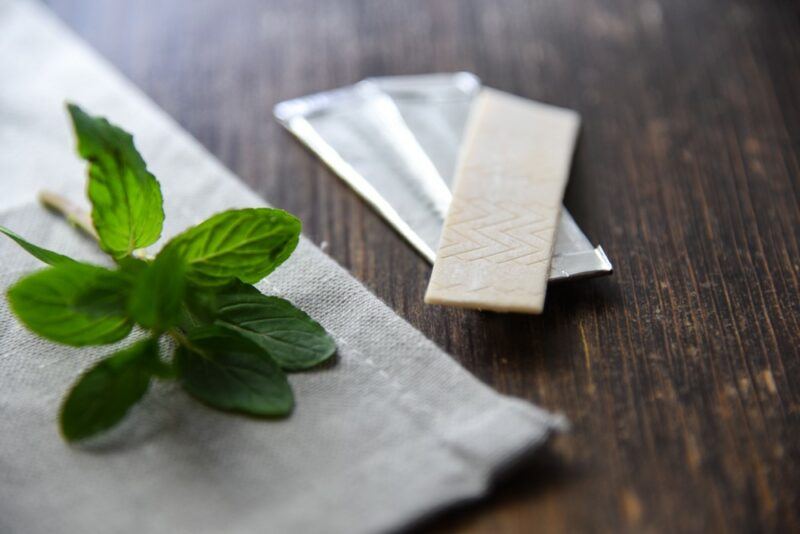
column 158, row 291
column 126, row 199
column 104, row 394
column 230, row 372
column 73, row 303
column 247, row 244
column 47, row 256
column 293, row 339
column 131, row 265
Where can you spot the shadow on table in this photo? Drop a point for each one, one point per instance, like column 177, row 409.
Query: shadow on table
column 539, row 471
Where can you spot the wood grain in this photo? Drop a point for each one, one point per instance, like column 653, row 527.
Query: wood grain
column 680, row 373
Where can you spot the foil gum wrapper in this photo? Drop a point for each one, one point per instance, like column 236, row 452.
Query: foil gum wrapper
column 395, row 141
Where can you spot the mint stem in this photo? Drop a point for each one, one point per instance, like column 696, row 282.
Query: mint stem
column 70, row 211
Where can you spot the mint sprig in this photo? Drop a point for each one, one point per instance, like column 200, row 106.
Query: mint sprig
column 232, row 344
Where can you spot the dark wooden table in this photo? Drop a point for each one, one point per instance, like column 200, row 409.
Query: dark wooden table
column 681, row 373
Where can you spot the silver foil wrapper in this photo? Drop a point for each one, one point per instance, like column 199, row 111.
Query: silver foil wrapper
column 395, row 141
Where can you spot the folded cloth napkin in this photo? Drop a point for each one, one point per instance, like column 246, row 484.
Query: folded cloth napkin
column 394, row 430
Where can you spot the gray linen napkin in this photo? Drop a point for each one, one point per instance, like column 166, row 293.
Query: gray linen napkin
column 394, row 430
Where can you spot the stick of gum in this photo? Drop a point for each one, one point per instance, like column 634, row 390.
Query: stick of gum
column 499, row 233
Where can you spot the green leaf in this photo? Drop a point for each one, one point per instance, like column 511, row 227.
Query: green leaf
column 157, row 294
column 230, row 372
column 132, row 266
column 126, row 199
column 288, row 334
column 247, row 244
column 104, row 394
column 73, row 303
column 47, row 256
